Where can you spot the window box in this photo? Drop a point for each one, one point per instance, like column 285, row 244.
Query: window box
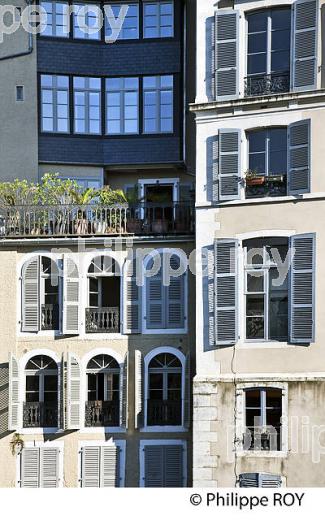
column 255, row 181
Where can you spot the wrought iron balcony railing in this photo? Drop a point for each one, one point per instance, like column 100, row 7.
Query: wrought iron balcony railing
column 102, row 413
column 40, row 415
column 50, row 317
column 267, row 84
column 103, row 319
column 164, row 413
column 96, row 220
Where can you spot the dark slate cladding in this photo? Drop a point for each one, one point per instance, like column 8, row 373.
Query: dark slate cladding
column 99, row 59
column 125, row 58
column 83, row 150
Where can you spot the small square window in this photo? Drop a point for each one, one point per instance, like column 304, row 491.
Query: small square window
column 19, row 93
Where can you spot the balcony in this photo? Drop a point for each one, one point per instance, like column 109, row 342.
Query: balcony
column 102, row 413
column 96, row 220
column 50, row 317
column 164, row 413
column 103, row 319
column 40, row 415
column 267, row 84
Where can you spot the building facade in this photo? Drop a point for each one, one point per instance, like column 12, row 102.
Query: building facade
column 96, row 365
column 259, row 384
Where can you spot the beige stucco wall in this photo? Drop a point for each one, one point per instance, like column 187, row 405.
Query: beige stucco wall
column 10, row 341
column 18, row 132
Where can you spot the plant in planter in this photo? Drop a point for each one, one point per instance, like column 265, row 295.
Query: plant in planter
column 253, row 178
column 82, row 198
column 110, row 215
column 134, row 222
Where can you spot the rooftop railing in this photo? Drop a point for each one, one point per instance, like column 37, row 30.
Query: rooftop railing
column 96, row 220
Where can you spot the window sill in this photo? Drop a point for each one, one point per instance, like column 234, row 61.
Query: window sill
column 262, row 454
column 102, row 429
column 252, row 344
column 39, row 431
column 163, row 429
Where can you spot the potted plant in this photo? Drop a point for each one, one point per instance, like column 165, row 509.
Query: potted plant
column 253, row 178
column 134, row 222
column 110, row 215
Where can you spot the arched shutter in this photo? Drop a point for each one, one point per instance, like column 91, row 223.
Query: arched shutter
column 304, row 55
column 71, row 299
column 226, row 54
column 31, row 295
column 132, row 300
column 124, row 393
column 139, row 393
column 187, row 392
column 226, row 297
column 74, row 394
column 302, row 288
column 299, row 157
column 15, row 411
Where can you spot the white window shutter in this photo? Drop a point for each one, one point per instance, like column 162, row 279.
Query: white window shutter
column 212, row 165
column 226, row 297
column 187, row 392
column 30, row 468
column 304, row 51
column 302, row 288
column 132, row 300
column 15, row 412
column 31, row 295
column 90, row 466
column 139, row 394
column 299, row 157
column 124, row 393
column 229, row 165
column 109, row 474
column 71, row 300
column 226, row 54
column 61, row 395
column 49, row 467
column 74, row 393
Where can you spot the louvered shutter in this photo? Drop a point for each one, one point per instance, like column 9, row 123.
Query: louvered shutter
column 212, row 160
column 15, row 411
column 226, row 299
column 247, row 480
column 299, row 157
column 155, row 301
column 187, row 392
column 304, row 55
column 226, row 33
column 132, row 300
column 302, row 288
column 154, row 466
column 124, row 393
column 139, row 394
column 74, row 394
column 173, row 466
column 31, row 295
column 269, row 481
column 30, row 468
column 109, row 475
column 49, row 467
column 175, row 304
column 229, row 164
column 208, row 309
column 90, row 466
column 61, row 395
column 70, row 296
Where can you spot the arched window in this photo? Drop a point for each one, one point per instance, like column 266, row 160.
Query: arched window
column 40, row 294
column 103, row 311
column 164, row 404
column 41, row 395
column 103, row 391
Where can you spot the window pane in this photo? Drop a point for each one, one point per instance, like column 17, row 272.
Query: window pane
column 281, row 19
column 281, row 40
column 257, row 162
column 255, row 317
column 280, row 61
column 131, row 126
column 255, row 282
column 257, row 43
column 257, row 22
column 50, row 383
column 113, row 127
column 256, row 64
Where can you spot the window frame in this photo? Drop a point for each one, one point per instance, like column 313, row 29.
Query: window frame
column 157, row 91
column 54, row 15
column 86, row 36
column 158, row 26
column 160, row 442
column 122, row 91
column 267, row 150
column 130, row 4
column 87, row 90
column 54, row 89
column 120, row 445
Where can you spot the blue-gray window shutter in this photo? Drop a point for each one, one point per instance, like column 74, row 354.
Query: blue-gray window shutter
column 299, row 157
column 31, row 295
column 175, row 304
column 302, row 288
column 263, row 480
column 173, row 465
column 304, row 52
column 154, row 466
column 226, row 54
column 132, row 299
column 226, row 298
column 187, row 392
column 164, row 465
column 212, row 164
column 155, row 296
column 229, row 164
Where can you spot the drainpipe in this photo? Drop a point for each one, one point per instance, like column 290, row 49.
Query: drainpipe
column 30, row 44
